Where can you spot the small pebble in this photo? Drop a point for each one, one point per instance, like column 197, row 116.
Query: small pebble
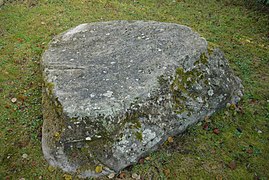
column 111, row 176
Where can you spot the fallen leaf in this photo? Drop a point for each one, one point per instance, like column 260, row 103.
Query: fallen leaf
column 20, row 40
column 7, row 106
column 98, row 169
column 216, row 130
column 67, row 177
column 219, row 177
column 141, row 161
column 206, row 127
column 170, row 139
column 167, row 172
column 147, row 158
column 22, row 98
column 250, row 151
column 232, row 165
column 122, row 175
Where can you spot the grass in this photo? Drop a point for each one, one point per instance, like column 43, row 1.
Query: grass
column 239, row 151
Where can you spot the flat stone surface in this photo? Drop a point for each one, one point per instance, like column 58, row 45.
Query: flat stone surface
column 114, row 91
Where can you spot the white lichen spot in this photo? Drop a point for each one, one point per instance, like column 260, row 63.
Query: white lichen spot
column 97, row 136
column 88, row 138
column 207, row 70
column 107, row 34
column 189, row 79
column 148, row 135
column 198, row 87
column 210, row 92
column 92, row 95
column 108, row 94
column 96, row 108
column 221, row 97
column 159, row 49
column 112, row 62
column 199, row 99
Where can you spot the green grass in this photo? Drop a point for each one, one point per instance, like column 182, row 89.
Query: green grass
column 242, row 34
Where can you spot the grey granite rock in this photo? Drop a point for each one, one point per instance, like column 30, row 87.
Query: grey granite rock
column 114, row 91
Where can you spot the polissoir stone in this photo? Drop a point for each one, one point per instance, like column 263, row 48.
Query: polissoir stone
column 114, row 91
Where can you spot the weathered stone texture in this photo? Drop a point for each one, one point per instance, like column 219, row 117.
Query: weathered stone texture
column 114, row 91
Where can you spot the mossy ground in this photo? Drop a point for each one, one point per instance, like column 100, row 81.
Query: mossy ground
column 239, row 151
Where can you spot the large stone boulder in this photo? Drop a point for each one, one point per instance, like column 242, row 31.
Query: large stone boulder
column 114, row 91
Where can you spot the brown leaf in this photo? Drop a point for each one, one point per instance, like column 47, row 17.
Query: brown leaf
column 141, row 161
column 205, row 126
column 7, row 106
column 218, row 177
column 232, row 165
column 250, row 151
column 22, row 98
column 167, row 172
column 122, row 175
column 216, row 130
